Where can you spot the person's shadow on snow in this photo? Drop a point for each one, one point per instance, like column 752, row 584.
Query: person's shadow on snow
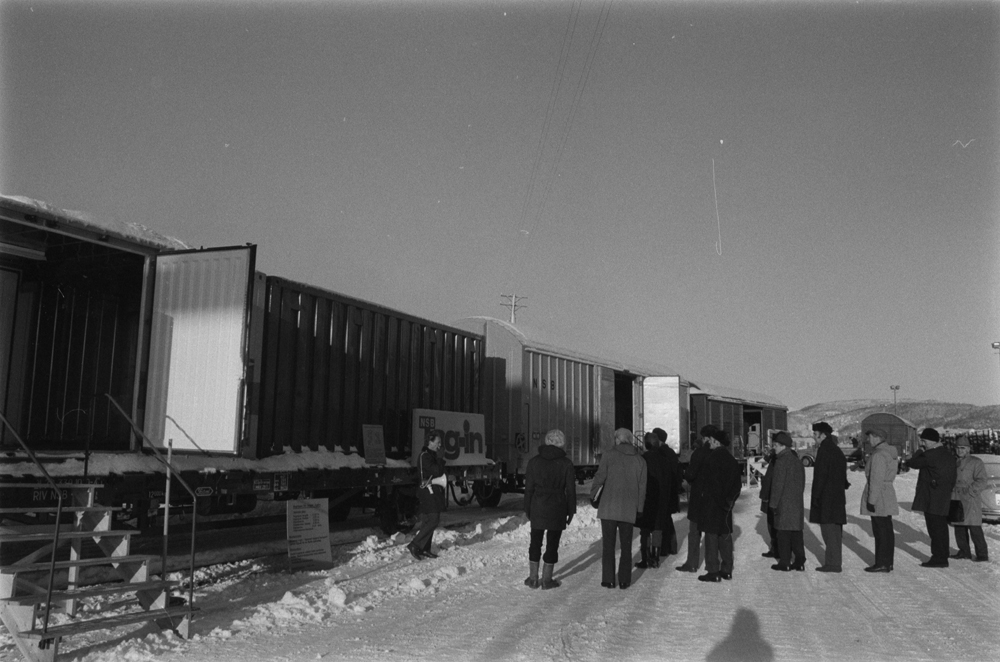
column 744, row 643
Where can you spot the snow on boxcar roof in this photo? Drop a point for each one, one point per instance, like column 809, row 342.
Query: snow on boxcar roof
column 132, row 233
column 736, row 394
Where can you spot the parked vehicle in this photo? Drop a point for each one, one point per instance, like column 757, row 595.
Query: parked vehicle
column 990, row 496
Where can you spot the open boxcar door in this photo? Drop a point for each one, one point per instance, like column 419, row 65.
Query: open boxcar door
column 198, row 348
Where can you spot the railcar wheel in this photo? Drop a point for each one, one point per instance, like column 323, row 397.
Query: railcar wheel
column 487, row 494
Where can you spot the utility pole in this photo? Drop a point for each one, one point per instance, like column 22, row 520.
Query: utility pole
column 894, row 389
column 513, row 305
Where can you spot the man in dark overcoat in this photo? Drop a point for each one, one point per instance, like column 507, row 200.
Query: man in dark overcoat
column 432, row 496
column 938, row 472
column 720, row 487
column 694, row 477
column 828, row 500
column 788, row 484
column 549, row 503
column 669, row 532
column 656, row 509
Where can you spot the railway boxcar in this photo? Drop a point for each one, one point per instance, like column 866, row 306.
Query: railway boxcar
column 260, row 384
column 530, row 387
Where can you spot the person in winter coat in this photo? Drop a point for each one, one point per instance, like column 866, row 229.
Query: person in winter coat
column 971, row 480
column 695, row 476
column 549, row 503
column 828, row 501
column 720, row 488
column 656, row 508
column 674, row 503
column 878, row 500
column 765, row 505
column 787, row 487
column 432, row 497
column 622, row 474
column 933, row 496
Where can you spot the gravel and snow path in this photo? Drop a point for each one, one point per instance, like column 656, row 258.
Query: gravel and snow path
column 470, row 604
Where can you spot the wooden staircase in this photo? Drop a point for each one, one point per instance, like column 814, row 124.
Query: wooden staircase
column 28, row 593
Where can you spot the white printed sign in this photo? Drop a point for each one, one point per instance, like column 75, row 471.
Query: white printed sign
column 463, row 435
column 308, row 528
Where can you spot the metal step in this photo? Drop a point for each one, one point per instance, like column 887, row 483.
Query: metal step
column 79, row 563
column 66, row 509
column 64, row 535
column 107, row 622
column 90, row 591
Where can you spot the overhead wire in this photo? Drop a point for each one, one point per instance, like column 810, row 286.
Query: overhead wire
column 548, row 175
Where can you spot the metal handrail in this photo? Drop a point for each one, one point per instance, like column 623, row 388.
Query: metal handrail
column 194, row 497
column 55, row 537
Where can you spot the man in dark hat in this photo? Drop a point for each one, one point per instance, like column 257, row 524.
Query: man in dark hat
column 676, row 479
column 787, row 485
column 938, row 472
column 695, row 475
column 828, row 501
column 720, row 488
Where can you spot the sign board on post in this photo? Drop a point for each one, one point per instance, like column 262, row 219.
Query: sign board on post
column 463, row 435
column 374, row 444
column 308, row 527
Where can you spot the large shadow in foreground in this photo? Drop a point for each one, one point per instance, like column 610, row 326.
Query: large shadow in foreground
column 743, row 643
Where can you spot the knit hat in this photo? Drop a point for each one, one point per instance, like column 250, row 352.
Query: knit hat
column 823, row 427
column 661, row 434
column 877, row 431
column 782, row 438
column 963, row 441
column 722, row 437
column 708, row 430
column 930, row 434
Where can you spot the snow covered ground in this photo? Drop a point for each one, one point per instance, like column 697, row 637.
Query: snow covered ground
column 377, row 603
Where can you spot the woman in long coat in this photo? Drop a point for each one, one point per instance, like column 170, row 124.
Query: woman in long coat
column 549, row 503
column 878, row 500
column 972, row 480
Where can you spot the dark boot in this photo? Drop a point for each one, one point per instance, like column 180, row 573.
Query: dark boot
column 644, row 563
column 547, row 581
column 532, row 580
column 654, row 557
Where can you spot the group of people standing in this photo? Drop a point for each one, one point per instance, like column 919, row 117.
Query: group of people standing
column 643, row 490
column 943, row 479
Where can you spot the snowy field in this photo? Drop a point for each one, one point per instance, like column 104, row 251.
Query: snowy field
column 378, row 604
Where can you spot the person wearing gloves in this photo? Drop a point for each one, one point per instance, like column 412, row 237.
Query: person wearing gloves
column 622, row 475
column 878, row 500
column 933, row 496
column 971, row 480
column 549, row 503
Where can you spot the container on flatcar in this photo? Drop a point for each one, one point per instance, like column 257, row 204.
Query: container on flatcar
column 240, row 372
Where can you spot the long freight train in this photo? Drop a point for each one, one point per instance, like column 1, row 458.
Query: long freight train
column 114, row 338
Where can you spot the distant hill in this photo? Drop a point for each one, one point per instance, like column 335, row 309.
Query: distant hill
column 845, row 415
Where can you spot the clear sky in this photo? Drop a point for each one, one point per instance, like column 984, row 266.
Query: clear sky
column 595, row 157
